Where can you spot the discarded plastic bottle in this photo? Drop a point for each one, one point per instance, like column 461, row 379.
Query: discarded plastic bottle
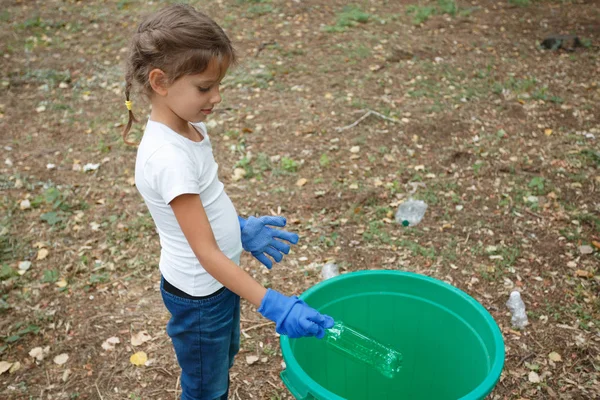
column 329, row 270
column 517, row 309
column 411, row 212
column 364, row 349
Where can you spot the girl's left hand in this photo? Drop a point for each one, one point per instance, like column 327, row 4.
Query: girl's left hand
column 261, row 240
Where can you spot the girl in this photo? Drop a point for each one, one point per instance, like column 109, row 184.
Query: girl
column 179, row 56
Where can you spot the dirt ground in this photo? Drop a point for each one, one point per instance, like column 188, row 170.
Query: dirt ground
column 497, row 134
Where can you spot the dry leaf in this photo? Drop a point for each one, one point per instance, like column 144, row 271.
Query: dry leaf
column 138, row 358
column 25, row 204
column 15, row 367
column 548, row 132
column 109, row 344
column 62, row 283
column 554, row 356
column 61, row 358
column 42, row 254
column 596, row 244
column 37, row 353
column 301, row 182
column 4, row 366
column 583, row 274
column 355, row 149
column 586, row 249
column 534, row 377
column 251, row 359
column 139, row 338
column 238, row 174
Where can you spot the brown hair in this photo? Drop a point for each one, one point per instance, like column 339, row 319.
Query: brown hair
column 178, row 40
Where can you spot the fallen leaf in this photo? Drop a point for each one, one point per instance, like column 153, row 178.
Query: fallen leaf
column 355, row 149
column 24, row 266
column 548, row 132
column 15, row 367
column 138, row 358
column 586, row 249
column 61, row 358
column 42, row 254
column 554, row 356
column 596, row 244
column 90, row 167
column 139, row 338
column 534, row 377
column 109, row 344
column 238, row 174
column 301, row 182
column 583, row 273
column 251, row 359
column 4, row 366
column 25, row 205
column 61, row 283
column 37, row 353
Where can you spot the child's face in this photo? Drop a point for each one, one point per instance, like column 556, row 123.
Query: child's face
column 192, row 97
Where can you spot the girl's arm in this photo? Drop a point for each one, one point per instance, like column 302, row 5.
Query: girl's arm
column 194, row 223
column 292, row 316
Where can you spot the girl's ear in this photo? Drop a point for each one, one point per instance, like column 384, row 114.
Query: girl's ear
column 158, row 81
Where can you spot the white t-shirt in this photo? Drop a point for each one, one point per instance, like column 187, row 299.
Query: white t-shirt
column 168, row 165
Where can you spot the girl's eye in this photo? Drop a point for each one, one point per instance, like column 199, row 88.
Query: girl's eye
column 204, row 90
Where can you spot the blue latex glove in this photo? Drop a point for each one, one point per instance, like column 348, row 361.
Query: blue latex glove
column 260, row 240
column 293, row 317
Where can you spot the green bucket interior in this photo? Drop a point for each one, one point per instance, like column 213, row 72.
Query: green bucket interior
column 451, row 346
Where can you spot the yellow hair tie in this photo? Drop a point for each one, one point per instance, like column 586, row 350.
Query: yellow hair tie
column 128, row 105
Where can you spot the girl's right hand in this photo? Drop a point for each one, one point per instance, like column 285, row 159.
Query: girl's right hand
column 293, row 317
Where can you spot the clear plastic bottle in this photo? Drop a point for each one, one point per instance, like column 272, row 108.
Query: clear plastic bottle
column 411, row 212
column 517, row 309
column 364, row 349
column 329, row 270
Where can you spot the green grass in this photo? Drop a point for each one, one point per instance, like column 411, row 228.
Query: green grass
column 349, row 17
column 520, row 3
column 421, row 14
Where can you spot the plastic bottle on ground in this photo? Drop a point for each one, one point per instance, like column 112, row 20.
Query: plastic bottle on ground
column 329, row 270
column 411, row 212
column 517, row 309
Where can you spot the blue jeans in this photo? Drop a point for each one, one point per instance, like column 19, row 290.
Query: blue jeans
column 206, row 337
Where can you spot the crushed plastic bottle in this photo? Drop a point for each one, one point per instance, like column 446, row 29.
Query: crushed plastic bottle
column 517, row 309
column 411, row 212
column 350, row 342
column 329, row 270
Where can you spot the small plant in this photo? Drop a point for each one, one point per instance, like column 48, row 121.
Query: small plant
column 537, row 183
column 420, row 13
column 448, row 7
column 289, row 165
column 324, row 160
column 50, row 276
column 349, row 17
column 520, row 3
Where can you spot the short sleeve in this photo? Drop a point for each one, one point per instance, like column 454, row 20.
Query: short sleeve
column 170, row 172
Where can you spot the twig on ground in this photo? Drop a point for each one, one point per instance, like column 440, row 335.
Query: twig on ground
column 98, row 390
column 369, row 112
column 257, row 326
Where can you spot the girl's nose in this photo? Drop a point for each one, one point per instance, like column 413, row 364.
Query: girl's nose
column 215, row 95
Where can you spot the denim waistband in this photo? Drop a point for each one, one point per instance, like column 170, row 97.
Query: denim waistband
column 180, row 293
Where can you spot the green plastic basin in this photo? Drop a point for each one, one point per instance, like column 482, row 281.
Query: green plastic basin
column 451, row 346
